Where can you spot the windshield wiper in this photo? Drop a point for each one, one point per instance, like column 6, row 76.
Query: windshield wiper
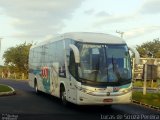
column 115, row 69
column 112, row 64
column 106, row 61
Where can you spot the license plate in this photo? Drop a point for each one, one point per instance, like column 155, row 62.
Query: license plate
column 108, row 100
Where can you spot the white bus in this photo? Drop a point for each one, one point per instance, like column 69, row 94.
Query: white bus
column 83, row 68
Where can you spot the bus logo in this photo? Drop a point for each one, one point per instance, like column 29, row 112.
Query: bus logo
column 44, row 72
column 116, row 89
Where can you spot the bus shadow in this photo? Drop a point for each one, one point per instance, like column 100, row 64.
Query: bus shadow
column 85, row 109
column 47, row 97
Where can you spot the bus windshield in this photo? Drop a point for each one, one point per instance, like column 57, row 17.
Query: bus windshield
column 104, row 63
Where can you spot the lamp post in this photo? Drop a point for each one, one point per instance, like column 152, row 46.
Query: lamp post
column 120, row 32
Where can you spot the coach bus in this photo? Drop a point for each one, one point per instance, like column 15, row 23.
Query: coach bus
column 83, row 68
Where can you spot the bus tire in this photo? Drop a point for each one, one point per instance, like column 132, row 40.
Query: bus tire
column 63, row 96
column 36, row 86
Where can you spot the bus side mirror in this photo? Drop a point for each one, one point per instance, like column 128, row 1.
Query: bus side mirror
column 76, row 53
column 137, row 56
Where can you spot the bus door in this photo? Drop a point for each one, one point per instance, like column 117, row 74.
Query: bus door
column 72, row 89
column 72, row 77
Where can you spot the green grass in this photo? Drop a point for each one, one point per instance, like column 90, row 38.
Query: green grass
column 149, row 98
column 140, row 84
column 4, row 88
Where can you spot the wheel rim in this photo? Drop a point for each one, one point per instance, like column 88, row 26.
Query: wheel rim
column 64, row 97
column 36, row 87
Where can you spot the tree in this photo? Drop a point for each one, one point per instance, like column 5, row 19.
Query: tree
column 149, row 49
column 17, row 57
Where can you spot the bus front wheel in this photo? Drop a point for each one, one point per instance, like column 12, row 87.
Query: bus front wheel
column 36, row 86
column 63, row 96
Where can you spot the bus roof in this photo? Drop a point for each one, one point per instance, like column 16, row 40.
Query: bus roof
column 87, row 37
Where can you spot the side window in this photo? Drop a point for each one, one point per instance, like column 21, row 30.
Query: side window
column 61, row 59
column 62, row 71
column 67, row 48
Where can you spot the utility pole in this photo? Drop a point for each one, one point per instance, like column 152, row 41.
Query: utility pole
column 120, row 32
column 145, row 79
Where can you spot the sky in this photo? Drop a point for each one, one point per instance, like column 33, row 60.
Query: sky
column 33, row 21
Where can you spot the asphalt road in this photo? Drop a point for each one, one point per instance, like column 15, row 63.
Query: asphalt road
column 26, row 104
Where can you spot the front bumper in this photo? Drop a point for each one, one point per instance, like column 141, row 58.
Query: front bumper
column 88, row 99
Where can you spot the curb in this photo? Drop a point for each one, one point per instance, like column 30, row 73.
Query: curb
column 149, row 88
column 13, row 92
column 146, row 105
